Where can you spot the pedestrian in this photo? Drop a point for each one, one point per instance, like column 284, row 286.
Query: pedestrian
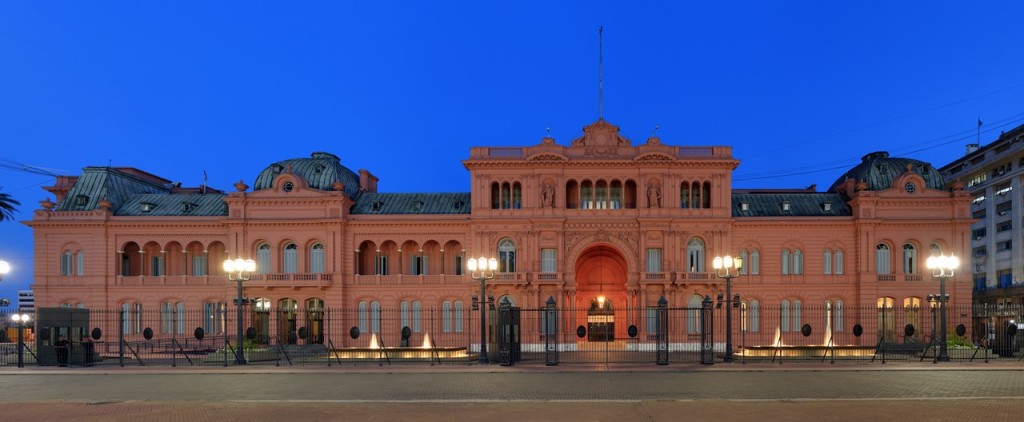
column 87, row 347
column 61, row 346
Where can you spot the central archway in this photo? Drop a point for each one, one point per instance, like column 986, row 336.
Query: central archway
column 601, row 292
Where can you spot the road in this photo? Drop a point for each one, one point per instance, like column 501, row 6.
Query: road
column 954, row 393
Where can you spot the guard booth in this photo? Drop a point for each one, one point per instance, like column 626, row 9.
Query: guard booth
column 509, row 342
column 51, row 324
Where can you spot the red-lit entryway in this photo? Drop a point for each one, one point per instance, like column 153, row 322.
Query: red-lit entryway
column 601, row 272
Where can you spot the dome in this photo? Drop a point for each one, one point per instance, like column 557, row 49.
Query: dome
column 879, row 170
column 320, row 171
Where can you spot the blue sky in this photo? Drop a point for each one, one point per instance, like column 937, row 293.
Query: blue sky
column 800, row 90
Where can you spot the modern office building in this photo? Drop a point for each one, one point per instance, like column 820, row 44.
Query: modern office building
column 26, row 301
column 600, row 217
column 993, row 176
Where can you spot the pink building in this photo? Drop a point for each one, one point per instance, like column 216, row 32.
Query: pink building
column 599, row 217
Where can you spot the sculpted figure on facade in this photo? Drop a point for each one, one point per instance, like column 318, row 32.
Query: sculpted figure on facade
column 548, row 194
column 653, row 196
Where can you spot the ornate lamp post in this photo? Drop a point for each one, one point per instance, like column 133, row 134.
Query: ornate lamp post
column 943, row 268
column 21, row 319
column 486, row 267
column 728, row 268
column 239, row 270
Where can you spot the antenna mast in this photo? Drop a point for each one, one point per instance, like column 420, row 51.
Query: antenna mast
column 600, row 73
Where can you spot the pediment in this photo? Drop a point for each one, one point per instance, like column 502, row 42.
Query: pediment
column 601, row 134
column 547, row 156
column 654, row 156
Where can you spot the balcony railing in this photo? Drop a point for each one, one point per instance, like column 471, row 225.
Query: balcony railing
column 170, row 280
column 291, row 280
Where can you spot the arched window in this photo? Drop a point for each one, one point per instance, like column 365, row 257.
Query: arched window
column 66, row 263
column 936, row 249
column 882, row 259
column 695, row 256
column 458, row 316
column 316, row 258
column 785, row 261
column 744, row 261
column 838, row 317
column 826, row 262
column 684, row 195
column 909, row 259
column 80, row 263
column 839, row 261
column 796, row 315
column 755, row 262
column 506, row 256
column 263, row 258
column 693, row 306
column 784, row 316
column 417, row 315
column 755, row 316
column 615, row 195
column 495, row 196
column 798, row 261
column 364, row 317
column 166, row 318
column 375, row 316
column 587, row 195
column 180, row 320
column 446, row 317
column 291, row 258
column 404, row 314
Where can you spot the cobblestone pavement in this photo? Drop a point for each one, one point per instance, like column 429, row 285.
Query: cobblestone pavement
column 720, row 392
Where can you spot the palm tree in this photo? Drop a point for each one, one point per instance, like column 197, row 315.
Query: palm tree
column 7, row 207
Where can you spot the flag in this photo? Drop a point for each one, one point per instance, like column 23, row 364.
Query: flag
column 979, row 122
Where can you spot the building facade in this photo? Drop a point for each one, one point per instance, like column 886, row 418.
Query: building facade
column 993, row 176
column 597, row 218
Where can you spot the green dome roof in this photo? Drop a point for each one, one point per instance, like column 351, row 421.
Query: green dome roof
column 879, row 170
column 320, row 171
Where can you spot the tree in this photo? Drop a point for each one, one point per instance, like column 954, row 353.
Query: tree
column 7, row 204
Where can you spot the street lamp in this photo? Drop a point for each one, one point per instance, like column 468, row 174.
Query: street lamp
column 21, row 319
column 486, row 267
column 942, row 268
column 239, row 270
column 728, row 268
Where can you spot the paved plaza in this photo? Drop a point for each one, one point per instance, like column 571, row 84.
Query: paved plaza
column 955, row 392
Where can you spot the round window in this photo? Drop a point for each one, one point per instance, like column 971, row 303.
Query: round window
column 288, row 186
column 910, row 187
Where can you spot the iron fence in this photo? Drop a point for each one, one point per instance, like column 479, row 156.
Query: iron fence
column 180, row 336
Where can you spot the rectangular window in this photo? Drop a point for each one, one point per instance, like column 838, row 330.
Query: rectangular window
column 199, row 265
column 158, row 266
column 459, row 270
column 547, row 261
column 380, row 265
column 652, row 322
column 80, row 263
column 458, row 316
column 446, row 317
column 654, row 260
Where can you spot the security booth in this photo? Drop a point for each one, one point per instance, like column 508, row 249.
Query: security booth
column 53, row 324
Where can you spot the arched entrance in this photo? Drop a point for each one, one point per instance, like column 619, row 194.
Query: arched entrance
column 601, row 293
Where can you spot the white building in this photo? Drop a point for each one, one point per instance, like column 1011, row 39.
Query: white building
column 993, row 174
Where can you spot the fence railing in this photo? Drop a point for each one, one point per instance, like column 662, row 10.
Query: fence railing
column 450, row 335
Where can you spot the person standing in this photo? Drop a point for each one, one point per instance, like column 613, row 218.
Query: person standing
column 87, row 347
column 61, row 346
